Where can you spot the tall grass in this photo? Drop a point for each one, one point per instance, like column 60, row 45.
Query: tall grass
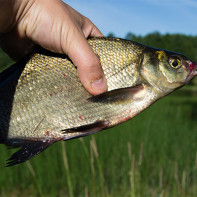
column 154, row 154
column 5, row 61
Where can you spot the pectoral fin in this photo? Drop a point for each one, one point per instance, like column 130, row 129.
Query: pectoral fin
column 123, row 94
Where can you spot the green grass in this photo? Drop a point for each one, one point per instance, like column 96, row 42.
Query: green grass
column 154, row 154
column 5, row 61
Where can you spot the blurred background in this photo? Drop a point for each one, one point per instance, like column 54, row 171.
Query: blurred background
column 140, row 16
column 155, row 153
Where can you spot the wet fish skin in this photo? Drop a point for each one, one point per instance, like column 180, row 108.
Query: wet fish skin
column 43, row 101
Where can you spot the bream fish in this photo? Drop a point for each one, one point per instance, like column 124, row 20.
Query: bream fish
column 43, row 101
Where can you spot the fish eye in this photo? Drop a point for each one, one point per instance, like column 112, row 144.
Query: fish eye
column 175, row 62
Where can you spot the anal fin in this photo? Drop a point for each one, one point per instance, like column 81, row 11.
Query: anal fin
column 29, row 148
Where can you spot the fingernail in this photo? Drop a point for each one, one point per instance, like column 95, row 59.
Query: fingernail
column 99, row 85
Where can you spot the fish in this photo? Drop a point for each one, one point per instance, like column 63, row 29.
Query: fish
column 42, row 100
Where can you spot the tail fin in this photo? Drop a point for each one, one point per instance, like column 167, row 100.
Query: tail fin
column 28, row 150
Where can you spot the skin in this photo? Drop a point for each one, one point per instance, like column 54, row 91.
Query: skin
column 54, row 26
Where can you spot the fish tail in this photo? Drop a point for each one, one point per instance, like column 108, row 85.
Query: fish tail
column 29, row 149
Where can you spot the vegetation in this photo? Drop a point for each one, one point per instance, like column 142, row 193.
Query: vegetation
column 180, row 43
column 5, row 61
column 154, row 154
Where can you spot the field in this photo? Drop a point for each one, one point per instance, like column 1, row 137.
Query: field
column 152, row 155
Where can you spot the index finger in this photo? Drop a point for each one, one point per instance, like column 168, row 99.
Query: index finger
column 88, row 64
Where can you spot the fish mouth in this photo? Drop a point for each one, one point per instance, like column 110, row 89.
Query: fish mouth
column 192, row 70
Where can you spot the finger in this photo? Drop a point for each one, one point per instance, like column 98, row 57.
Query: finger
column 88, row 64
column 90, row 30
column 96, row 32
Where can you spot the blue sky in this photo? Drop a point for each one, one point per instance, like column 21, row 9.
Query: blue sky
column 140, row 16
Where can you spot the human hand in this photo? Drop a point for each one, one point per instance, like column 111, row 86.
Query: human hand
column 55, row 26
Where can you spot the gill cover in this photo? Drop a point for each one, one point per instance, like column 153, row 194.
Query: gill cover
column 164, row 70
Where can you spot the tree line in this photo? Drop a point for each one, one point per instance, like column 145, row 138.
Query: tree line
column 184, row 44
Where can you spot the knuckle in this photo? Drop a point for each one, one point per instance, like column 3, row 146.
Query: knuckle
column 94, row 65
column 87, row 20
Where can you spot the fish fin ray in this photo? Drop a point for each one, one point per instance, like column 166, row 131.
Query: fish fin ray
column 123, row 94
column 85, row 130
column 28, row 149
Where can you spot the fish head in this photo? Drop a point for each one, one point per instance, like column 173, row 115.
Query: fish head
column 165, row 70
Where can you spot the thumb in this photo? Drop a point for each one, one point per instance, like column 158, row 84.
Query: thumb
column 88, row 64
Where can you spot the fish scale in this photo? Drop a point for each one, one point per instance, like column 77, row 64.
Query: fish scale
column 119, row 68
column 43, row 101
